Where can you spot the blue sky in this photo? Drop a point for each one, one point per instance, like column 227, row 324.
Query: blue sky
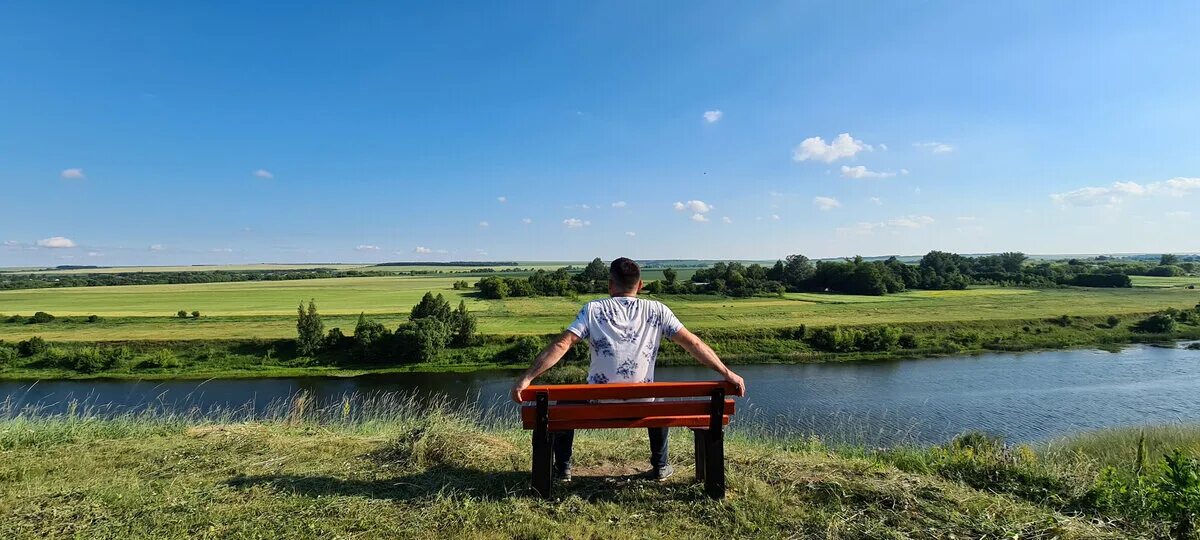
column 148, row 133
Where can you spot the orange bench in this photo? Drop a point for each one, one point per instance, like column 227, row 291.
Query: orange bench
column 706, row 418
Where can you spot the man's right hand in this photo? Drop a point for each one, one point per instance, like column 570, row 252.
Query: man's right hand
column 736, row 381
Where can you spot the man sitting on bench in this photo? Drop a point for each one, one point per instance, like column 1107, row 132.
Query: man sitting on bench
column 623, row 333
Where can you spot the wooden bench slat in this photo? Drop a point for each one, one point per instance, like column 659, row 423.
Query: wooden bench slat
column 558, row 392
column 693, row 421
column 617, row 411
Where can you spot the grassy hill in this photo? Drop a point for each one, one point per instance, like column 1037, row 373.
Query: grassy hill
column 381, row 469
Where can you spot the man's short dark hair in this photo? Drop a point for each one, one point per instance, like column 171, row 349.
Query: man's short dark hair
column 624, row 273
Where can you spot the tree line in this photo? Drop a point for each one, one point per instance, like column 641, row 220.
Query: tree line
column 936, row 270
column 431, row 327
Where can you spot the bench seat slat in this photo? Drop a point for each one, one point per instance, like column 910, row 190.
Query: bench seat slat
column 693, row 421
column 618, row 411
column 558, row 392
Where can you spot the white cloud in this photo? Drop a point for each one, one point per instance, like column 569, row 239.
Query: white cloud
column 156, row 247
column 876, row 201
column 1120, row 191
column 699, row 207
column 219, row 250
column 726, row 219
column 859, row 172
column 502, row 199
column 56, row 242
column 573, row 223
column 95, row 254
column 967, row 219
column 484, row 224
column 11, row 243
column 934, row 147
column 1179, row 214
column 630, row 234
column 713, row 116
column 366, row 247
column 263, row 173
column 892, row 225
column 814, row 148
column 422, row 250
column 527, row 221
column 775, row 217
column 699, row 218
column 910, row 222
column 883, row 147
column 826, row 203
column 618, row 204
column 73, row 174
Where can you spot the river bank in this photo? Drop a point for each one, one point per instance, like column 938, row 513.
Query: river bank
column 164, row 360
column 434, row 472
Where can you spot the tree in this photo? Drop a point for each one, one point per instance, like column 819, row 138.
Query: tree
column 368, row 338
column 463, row 325
column 670, row 275
column 493, row 287
column 430, row 306
column 195, row 314
column 182, row 314
column 796, row 270
column 310, row 331
column 1168, row 258
column 422, row 340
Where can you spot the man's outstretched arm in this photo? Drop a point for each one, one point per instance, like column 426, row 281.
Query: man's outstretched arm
column 705, row 355
column 544, row 361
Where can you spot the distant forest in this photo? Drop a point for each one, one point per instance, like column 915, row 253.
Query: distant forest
column 937, row 270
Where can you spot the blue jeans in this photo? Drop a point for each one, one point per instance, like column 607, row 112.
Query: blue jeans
column 562, row 442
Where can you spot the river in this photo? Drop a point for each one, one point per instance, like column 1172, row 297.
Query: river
column 1025, row 397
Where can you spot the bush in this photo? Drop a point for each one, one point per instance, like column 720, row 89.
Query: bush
column 182, row 314
column 1159, row 323
column 160, row 358
column 879, row 338
column 1113, row 321
column 40, row 317
column 523, row 350
column 89, row 360
column 8, row 356
column 336, row 340
column 195, row 314
column 911, row 341
column 93, row 318
column 369, row 337
column 58, row 357
column 564, row 375
column 32, row 346
column 422, row 340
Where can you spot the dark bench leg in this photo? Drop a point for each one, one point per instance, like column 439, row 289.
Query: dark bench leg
column 698, row 438
column 714, row 451
column 543, row 457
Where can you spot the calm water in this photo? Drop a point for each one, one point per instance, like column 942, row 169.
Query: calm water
column 1023, row 397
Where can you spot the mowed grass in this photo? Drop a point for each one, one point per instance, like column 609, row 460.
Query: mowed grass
column 386, row 467
column 1158, row 282
column 267, row 309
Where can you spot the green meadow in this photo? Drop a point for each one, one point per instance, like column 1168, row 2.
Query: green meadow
column 266, row 309
column 386, row 467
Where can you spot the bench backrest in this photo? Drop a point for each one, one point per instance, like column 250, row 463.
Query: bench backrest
column 695, row 413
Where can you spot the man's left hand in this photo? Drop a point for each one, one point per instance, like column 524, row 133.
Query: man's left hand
column 517, row 387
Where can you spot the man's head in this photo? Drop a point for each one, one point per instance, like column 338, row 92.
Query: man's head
column 624, row 277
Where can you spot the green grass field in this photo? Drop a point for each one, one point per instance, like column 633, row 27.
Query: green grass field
column 267, row 309
column 1159, row 282
column 386, row 468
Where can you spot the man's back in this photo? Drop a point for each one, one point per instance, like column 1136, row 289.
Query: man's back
column 623, row 333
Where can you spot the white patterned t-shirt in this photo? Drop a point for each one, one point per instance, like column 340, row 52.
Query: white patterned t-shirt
column 623, row 334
